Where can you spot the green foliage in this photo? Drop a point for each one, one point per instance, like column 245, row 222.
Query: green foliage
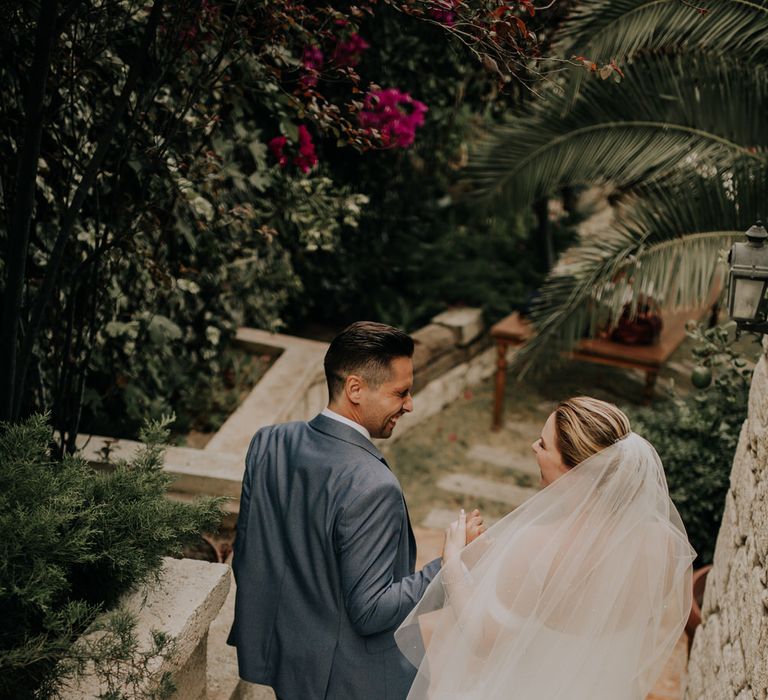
column 110, row 650
column 74, row 540
column 696, row 437
column 417, row 248
column 679, row 145
column 189, row 228
column 161, row 220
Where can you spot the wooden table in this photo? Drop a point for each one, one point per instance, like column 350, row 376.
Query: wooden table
column 649, row 358
column 514, row 331
column 511, row 331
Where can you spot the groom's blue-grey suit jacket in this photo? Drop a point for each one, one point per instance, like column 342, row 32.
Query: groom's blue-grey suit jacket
column 324, row 565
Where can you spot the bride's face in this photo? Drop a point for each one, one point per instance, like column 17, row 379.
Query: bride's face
column 547, row 455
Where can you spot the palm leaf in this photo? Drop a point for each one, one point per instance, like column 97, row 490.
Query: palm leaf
column 617, row 29
column 668, row 244
column 656, row 122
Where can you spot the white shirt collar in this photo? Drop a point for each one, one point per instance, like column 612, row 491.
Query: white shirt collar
column 328, row 413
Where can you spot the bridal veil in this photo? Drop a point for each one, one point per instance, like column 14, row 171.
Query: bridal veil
column 581, row 593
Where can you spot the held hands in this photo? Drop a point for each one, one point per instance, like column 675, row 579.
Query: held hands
column 461, row 532
column 475, row 526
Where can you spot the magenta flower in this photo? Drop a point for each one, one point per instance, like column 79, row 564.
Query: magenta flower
column 444, row 12
column 349, row 51
column 396, row 115
column 312, row 62
column 307, row 157
column 304, row 160
column 277, row 148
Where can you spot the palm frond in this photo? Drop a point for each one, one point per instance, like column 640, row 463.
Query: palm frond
column 617, row 29
column 668, row 245
column 668, row 115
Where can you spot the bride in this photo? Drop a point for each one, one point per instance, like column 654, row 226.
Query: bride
column 581, row 593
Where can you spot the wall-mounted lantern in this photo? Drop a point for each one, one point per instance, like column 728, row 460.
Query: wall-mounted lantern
column 748, row 281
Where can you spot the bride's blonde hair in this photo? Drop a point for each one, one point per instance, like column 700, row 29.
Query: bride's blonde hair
column 584, row 426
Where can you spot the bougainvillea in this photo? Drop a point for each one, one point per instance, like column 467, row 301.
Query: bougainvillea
column 444, row 12
column 349, row 51
column 394, row 115
column 315, row 54
column 277, row 147
column 312, row 61
column 306, row 157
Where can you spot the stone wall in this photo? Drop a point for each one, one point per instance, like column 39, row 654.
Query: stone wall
column 451, row 354
column 182, row 604
column 729, row 658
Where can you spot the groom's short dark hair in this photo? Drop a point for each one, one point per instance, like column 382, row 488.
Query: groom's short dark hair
column 365, row 348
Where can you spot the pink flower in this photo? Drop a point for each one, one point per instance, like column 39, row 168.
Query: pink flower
column 349, row 51
column 277, row 146
column 307, row 157
column 443, row 12
column 312, row 58
column 396, row 115
column 304, row 160
column 312, row 62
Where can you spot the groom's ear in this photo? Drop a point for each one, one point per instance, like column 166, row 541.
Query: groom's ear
column 353, row 388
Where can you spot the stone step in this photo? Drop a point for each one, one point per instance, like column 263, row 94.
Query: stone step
column 527, row 430
column 441, row 518
column 479, row 487
column 504, row 459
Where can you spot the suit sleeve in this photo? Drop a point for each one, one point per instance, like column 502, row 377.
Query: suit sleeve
column 245, row 501
column 367, row 540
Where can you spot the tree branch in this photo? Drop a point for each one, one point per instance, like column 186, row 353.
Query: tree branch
column 89, row 178
column 21, row 213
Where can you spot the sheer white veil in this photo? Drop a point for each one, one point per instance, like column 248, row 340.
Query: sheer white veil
column 580, row 593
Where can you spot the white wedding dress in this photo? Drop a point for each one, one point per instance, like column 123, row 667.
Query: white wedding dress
column 579, row 594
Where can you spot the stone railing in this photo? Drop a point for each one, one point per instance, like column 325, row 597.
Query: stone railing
column 450, row 354
column 728, row 658
column 183, row 605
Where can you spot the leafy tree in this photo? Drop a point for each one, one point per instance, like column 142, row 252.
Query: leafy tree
column 164, row 180
column 418, row 247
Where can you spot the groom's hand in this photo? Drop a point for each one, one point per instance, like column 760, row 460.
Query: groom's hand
column 475, row 526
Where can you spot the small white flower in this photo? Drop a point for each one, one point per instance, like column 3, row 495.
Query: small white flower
column 213, row 335
column 202, row 207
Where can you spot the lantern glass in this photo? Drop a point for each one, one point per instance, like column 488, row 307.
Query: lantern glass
column 747, row 295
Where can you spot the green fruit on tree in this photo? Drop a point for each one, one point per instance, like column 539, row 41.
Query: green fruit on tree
column 701, row 377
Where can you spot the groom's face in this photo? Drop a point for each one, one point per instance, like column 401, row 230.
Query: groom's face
column 382, row 406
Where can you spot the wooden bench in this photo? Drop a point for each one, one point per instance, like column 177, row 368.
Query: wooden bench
column 514, row 331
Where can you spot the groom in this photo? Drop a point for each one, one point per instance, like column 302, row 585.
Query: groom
column 324, row 555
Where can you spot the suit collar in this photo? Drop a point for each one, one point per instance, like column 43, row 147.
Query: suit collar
column 336, row 429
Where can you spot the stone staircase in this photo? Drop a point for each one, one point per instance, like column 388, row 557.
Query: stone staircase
column 510, row 464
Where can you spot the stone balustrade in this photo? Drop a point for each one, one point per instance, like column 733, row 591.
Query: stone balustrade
column 183, row 605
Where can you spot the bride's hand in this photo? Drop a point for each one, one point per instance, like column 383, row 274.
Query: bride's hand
column 475, row 526
column 455, row 538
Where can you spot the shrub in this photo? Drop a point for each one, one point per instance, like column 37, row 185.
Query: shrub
column 74, row 540
column 696, row 437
